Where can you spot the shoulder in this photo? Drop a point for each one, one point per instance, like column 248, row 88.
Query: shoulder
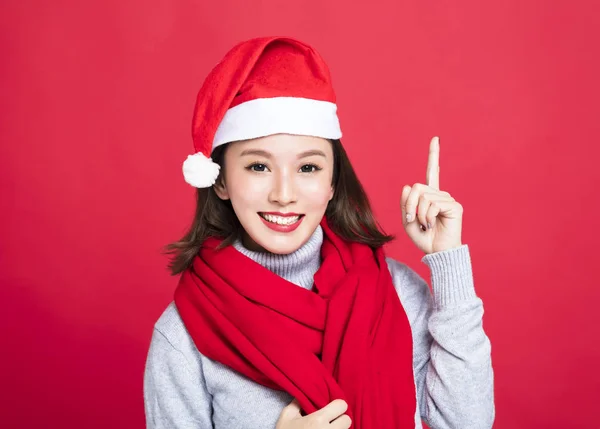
column 408, row 284
column 402, row 272
column 170, row 333
column 414, row 294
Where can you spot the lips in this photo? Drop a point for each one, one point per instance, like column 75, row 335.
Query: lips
column 281, row 214
column 281, row 222
column 280, row 219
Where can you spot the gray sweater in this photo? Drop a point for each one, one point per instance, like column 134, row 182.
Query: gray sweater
column 451, row 353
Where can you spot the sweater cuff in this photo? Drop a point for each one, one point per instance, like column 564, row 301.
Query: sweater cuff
column 451, row 275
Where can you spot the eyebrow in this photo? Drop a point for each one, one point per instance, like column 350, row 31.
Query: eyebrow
column 260, row 152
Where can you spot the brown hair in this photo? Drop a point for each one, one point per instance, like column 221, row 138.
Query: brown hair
column 349, row 213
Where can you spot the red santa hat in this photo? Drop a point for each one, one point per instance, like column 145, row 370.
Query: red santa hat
column 263, row 86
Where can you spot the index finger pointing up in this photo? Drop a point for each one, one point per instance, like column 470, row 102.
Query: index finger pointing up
column 433, row 164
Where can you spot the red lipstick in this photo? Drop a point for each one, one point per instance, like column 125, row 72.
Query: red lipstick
column 281, row 228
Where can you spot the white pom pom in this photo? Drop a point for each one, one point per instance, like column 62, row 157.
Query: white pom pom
column 200, row 171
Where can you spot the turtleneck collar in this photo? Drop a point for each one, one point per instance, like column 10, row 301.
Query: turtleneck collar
column 298, row 267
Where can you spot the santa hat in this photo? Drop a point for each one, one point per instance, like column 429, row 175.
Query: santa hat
column 262, row 86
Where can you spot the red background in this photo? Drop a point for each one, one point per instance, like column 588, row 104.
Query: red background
column 96, row 106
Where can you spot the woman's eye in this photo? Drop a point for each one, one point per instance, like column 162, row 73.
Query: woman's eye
column 258, row 167
column 309, row 168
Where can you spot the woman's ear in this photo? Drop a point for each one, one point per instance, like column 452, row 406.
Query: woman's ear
column 331, row 193
column 221, row 189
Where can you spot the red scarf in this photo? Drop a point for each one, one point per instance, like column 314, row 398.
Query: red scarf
column 348, row 338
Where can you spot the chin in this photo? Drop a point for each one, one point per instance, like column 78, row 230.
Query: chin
column 283, row 246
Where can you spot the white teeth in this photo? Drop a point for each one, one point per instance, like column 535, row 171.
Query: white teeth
column 280, row 220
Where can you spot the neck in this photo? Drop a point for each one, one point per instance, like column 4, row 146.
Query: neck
column 298, row 267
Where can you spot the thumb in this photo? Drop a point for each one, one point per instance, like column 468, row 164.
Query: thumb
column 291, row 411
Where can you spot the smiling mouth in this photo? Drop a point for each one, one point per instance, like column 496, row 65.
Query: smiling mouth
column 280, row 220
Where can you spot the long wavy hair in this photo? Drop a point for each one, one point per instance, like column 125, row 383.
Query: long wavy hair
column 349, row 213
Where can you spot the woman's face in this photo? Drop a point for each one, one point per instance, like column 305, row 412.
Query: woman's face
column 279, row 187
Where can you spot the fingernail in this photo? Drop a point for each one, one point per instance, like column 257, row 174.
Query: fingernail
column 408, row 217
column 428, row 225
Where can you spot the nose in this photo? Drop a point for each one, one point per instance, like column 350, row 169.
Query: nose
column 283, row 190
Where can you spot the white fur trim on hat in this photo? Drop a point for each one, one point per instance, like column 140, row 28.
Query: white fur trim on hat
column 200, row 171
column 289, row 115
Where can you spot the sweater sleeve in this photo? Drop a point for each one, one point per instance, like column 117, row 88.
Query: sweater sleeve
column 451, row 352
column 175, row 394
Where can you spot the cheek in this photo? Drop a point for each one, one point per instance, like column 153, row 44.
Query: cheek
column 245, row 191
column 317, row 193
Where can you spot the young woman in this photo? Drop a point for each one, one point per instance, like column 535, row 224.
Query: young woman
column 287, row 314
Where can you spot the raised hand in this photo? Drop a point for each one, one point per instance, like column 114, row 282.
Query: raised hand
column 431, row 218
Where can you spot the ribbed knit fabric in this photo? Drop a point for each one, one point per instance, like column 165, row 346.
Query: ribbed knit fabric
column 298, row 267
column 452, row 275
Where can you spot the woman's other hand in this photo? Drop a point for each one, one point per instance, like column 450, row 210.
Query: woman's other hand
column 330, row 416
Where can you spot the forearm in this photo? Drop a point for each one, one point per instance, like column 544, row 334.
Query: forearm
column 457, row 386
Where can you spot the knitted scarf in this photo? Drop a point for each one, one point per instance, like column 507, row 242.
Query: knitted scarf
column 348, row 338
